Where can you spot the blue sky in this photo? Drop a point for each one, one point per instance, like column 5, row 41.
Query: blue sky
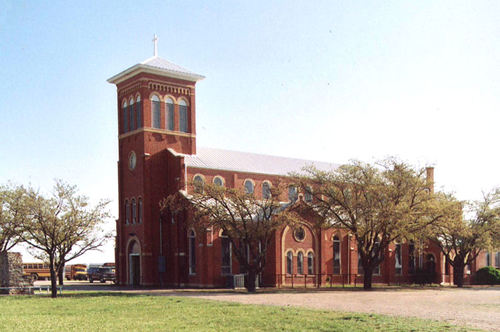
column 320, row 80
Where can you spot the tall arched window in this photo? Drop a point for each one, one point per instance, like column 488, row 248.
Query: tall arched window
column 308, row 197
column 198, row 184
column 139, row 210
column 131, row 111
column 398, row 262
column 376, row 270
column 134, row 211
column 226, row 267
column 169, row 109
column 138, row 109
column 300, row 263
column 289, row 262
column 249, row 187
column 127, row 212
column 192, row 252
column 310, row 263
column 125, row 117
column 411, row 257
column 183, row 116
column 266, row 190
column 155, row 112
column 292, row 193
column 336, row 255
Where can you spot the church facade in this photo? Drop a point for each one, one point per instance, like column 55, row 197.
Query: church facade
column 158, row 156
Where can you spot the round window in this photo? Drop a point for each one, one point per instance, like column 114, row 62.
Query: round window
column 299, row 233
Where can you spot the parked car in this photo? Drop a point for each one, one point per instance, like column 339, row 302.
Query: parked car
column 102, row 274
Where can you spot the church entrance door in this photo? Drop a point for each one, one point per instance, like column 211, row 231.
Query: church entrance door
column 135, row 269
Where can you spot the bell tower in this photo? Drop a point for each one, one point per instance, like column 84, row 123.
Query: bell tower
column 156, row 112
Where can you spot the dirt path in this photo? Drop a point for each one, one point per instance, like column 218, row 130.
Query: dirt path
column 466, row 307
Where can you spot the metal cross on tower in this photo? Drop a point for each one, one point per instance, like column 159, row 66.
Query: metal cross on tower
column 155, row 41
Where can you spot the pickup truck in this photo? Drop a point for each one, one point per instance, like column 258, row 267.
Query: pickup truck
column 102, row 274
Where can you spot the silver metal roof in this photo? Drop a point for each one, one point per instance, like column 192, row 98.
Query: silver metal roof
column 250, row 162
column 160, row 63
column 157, row 65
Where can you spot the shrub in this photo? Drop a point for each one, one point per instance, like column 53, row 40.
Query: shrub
column 487, row 276
column 422, row 277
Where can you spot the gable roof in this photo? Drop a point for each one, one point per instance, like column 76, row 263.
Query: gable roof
column 159, row 66
column 237, row 161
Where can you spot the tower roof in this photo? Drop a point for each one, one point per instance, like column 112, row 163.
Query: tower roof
column 158, row 66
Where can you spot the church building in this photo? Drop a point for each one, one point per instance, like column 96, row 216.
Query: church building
column 158, row 156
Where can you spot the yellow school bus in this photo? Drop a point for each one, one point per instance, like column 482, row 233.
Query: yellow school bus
column 37, row 271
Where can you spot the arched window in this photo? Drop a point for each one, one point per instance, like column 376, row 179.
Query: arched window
column 139, row 210
column 192, row 252
column 376, row 270
column 310, row 263
column 300, row 263
column 155, row 112
column 360, row 265
column 131, row 110
column 134, row 211
column 289, row 262
column 169, row 109
column 398, row 262
column 411, row 258
column 226, row 267
column 127, row 212
column 198, row 183
column 336, row 255
column 266, row 190
column 308, row 197
column 292, row 193
column 218, row 181
column 248, row 186
column 183, row 116
column 125, row 117
column 138, row 110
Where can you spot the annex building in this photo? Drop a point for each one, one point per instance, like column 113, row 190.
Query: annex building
column 158, row 156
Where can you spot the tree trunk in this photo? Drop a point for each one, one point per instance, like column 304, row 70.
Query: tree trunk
column 53, row 282
column 251, row 281
column 367, row 278
column 458, row 274
column 60, row 277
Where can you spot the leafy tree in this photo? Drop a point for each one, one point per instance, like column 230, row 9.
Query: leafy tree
column 462, row 238
column 63, row 226
column 12, row 215
column 249, row 223
column 377, row 204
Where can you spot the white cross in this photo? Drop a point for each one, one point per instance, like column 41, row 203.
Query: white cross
column 155, row 41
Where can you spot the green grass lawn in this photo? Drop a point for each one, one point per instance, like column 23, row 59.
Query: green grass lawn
column 101, row 311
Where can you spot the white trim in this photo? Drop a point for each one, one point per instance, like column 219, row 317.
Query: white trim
column 142, row 68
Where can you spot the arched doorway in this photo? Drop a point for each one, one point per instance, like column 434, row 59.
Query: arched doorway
column 134, row 260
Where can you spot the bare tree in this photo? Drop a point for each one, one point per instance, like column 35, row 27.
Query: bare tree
column 248, row 222
column 63, row 227
column 461, row 238
column 377, row 204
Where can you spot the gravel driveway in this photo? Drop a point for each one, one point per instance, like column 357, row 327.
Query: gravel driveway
column 474, row 307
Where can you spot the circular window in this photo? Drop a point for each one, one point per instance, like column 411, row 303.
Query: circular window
column 299, row 234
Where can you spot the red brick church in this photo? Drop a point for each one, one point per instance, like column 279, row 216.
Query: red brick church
column 158, row 156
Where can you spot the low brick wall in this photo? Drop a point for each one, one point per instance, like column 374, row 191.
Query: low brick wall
column 11, row 274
